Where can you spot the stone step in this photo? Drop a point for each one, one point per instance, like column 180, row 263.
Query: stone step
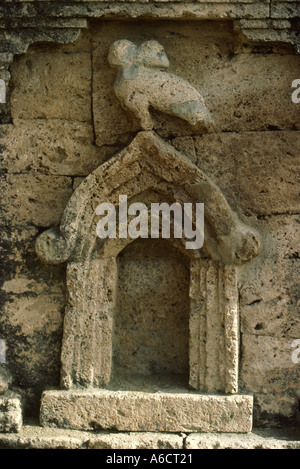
column 98, row 409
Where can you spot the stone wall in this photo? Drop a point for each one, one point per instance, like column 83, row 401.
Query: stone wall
column 62, row 120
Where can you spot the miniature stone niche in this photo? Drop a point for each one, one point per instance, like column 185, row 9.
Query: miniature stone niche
column 148, row 164
column 147, row 169
column 143, row 82
column 94, row 348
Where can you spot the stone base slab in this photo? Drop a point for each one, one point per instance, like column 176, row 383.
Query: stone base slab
column 10, row 412
column 36, row 437
column 136, row 411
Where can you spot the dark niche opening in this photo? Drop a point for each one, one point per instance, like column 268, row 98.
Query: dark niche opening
column 151, row 328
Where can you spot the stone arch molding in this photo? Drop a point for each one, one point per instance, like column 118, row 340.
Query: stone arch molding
column 149, row 164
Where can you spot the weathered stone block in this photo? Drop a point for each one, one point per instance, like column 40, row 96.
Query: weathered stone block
column 33, row 297
column 275, row 370
column 35, row 312
column 36, row 437
column 159, row 9
column 257, row 440
column 52, row 85
column 26, row 200
column 140, row 440
column 287, row 9
column 275, row 409
column 142, row 411
column 269, row 291
column 50, row 147
column 10, row 413
column 258, row 171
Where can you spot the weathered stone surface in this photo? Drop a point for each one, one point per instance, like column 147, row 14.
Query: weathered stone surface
column 258, row 171
column 52, row 85
column 269, row 294
column 213, row 299
column 42, row 23
column 41, row 311
column 287, row 9
column 275, row 370
column 18, row 42
column 269, row 312
column 35, row 437
column 270, row 322
column 140, row 440
column 270, row 36
column 276, row 409
column 58, row 147
column 34, row 358
column 10, row 413
column 159, row 9
column 141, row 411
column 25, row 200
column 5, row 379
column 256, row 440
column 233, row 87
column 146, row 321
column 33, row 298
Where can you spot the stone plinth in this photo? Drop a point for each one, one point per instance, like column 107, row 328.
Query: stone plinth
column 97, row 409
column 10, row 412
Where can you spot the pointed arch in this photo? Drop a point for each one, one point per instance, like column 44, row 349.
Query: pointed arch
column 148, row 162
